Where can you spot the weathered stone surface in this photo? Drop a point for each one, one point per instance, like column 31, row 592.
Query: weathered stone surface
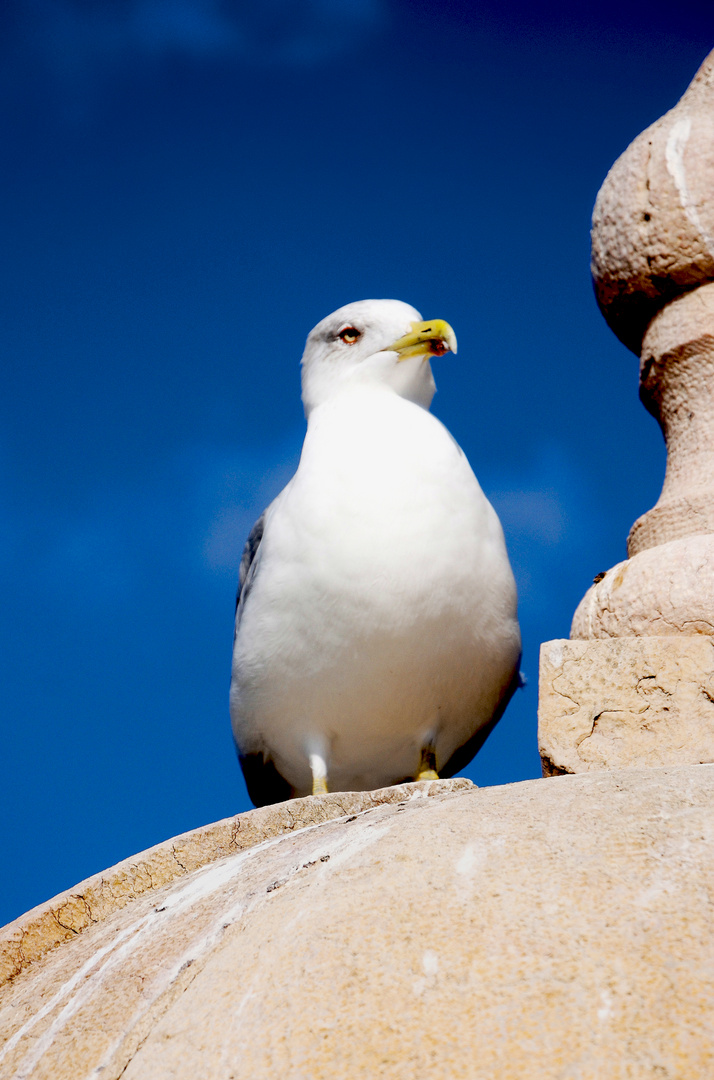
column 605, row 702
column 659, row 592
column 94, row 900
column 653, row 222
column 549, row 929
column 677, row 387
column 653, row 266
column 626, row 702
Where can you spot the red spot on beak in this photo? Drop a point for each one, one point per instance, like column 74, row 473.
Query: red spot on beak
column 438, row 347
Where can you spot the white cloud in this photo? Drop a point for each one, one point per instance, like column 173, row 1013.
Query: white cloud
column 73, row 36
column 238, row 510
column 198, row 27
column 554, row 530
column 184, row 524
column 537, row 514
column 187, row 520
column 69, row 53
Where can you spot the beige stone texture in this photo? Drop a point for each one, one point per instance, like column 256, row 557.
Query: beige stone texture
column 660, row 592
column 607, row 698
column 653, row 222
column 628, row 702
column 626, row 690
column 92, row 901
column 653, row 265
column 677, row 386
column 546, row 930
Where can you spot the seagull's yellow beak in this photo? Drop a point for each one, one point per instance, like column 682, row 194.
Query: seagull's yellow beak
column 432, row 338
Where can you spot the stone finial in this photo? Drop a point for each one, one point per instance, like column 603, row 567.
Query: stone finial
column 653, row 269
column 653, row 222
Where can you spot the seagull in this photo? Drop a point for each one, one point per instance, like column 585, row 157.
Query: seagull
column 376, row 633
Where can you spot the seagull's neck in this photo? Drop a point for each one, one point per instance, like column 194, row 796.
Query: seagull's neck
column 411, row 380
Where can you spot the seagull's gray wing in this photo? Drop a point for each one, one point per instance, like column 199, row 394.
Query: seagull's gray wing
column 264, row 782
column 249, row 565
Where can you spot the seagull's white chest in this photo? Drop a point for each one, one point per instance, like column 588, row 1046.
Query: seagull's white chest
column 383, row 613
column 386, row 503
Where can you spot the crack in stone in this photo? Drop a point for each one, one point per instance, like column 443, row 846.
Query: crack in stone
column 656, row 686
column 65, row 926
column 175, row 855
column 235, row 829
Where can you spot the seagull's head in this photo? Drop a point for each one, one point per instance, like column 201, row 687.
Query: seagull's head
column 378, row 342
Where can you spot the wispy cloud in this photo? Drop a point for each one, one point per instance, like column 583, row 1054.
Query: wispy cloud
column 185, row 522
column 71, row 37
column 68, row 54
column 555, row 531
column 189, row 517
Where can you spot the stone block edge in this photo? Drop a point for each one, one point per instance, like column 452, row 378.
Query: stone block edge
column 93, row 900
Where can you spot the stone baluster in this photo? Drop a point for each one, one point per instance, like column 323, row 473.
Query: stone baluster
column 634, row 685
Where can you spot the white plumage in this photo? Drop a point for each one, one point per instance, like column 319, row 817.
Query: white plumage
column 376, row 629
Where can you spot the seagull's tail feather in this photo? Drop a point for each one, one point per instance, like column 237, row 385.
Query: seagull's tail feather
column 264, row 782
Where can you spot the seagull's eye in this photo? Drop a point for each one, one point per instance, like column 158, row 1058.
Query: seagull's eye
column 350, row 335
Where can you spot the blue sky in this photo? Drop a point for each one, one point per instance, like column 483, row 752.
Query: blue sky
column 188, row 186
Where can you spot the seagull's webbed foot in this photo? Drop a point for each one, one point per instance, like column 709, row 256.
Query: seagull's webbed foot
column 427, row 768
column 318, row 767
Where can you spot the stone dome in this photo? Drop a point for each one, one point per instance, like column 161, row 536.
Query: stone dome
column 547, row 929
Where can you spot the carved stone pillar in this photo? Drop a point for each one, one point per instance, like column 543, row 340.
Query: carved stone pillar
column 635, row 683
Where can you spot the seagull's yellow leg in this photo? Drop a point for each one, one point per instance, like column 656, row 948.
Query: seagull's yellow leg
column 427, row 768
column 319, row 774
